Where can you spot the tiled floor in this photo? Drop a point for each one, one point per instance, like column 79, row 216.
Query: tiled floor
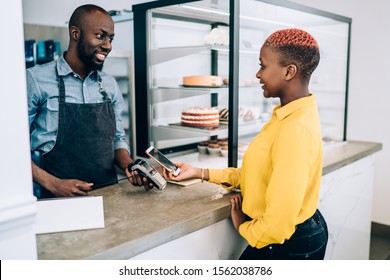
column 380, row 242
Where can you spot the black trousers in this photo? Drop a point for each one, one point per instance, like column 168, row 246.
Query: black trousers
column 307, row 243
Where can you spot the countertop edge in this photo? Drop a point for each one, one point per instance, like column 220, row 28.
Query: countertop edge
column 137, row 246
column 349, row 156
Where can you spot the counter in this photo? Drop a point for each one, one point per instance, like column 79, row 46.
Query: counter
column 137, row 221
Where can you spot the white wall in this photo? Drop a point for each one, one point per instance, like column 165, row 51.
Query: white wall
column 368, row 88
column 17, row 203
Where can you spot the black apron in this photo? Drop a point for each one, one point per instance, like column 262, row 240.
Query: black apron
column 84, row 148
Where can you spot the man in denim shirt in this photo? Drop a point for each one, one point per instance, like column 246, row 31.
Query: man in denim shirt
column 75, row 113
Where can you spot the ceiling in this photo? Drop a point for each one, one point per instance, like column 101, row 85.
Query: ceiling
column 57, row 13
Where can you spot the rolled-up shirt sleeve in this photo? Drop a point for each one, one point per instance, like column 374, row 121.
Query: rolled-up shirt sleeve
column 228, row 178
column 32, row 97
column 119, row 106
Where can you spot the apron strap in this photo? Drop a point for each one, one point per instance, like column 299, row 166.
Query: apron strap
column 101, row 88
column 61, row 88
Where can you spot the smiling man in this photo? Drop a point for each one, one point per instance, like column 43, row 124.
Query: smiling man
column 76, row 130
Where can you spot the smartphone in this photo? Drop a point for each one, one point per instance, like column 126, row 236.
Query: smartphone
column 162, row 160
column 146, row 170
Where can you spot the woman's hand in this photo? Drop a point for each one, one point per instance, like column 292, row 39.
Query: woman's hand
column 186, row 172
column 238, row 217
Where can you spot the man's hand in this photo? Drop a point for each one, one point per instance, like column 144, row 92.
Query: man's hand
column 136, row 180
column 59, row 187
column 122, row 160
column 69, row 187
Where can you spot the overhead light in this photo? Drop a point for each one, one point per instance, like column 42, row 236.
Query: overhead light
column 205, row 10
column 217, row 12
column 267, row 21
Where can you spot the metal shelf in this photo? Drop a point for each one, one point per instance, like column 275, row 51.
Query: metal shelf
column 184, row 132
column 177, row 131
column 162, row 94
column 166, row 54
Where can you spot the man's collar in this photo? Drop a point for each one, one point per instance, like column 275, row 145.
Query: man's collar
column 64, row 68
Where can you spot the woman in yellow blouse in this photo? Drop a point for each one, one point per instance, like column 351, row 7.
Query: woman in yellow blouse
column 281, row 171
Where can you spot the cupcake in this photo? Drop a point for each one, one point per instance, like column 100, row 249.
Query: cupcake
column 214, row 146
column 214, row 149
column 224, row 151
column 223, row 143
column 202, row 147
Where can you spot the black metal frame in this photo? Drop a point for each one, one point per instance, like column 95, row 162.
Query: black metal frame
column 142, row 110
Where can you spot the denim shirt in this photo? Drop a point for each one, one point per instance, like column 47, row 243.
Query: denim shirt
column 42, row 95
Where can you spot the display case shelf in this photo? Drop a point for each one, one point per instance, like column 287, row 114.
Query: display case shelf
column 178, row 131
column 163, row 94
column 168, row 53
column 181, row 132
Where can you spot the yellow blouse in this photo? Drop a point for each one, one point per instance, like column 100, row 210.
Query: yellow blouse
column 280, row 175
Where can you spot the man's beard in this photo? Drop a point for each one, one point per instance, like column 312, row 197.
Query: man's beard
column 88, row 60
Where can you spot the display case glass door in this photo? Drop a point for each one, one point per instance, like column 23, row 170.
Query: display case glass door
column 176, row 47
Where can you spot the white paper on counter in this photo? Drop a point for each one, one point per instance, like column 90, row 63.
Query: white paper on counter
column 185, row 183
column 70, row 213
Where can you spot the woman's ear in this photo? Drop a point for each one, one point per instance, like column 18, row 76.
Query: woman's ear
column 291, row 71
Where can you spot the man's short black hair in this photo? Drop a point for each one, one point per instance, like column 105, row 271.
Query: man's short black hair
column 81, row 11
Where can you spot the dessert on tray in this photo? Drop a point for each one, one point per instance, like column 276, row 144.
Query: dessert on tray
column 200, row 117
column 203, row 81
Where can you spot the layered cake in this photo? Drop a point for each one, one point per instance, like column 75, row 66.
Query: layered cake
column 200, row 117
column 204, row 81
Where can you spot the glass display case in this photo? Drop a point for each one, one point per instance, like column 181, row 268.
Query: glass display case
column 176, row 39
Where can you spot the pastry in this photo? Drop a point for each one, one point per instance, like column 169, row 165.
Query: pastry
column 200, row 117
column 206, row 81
